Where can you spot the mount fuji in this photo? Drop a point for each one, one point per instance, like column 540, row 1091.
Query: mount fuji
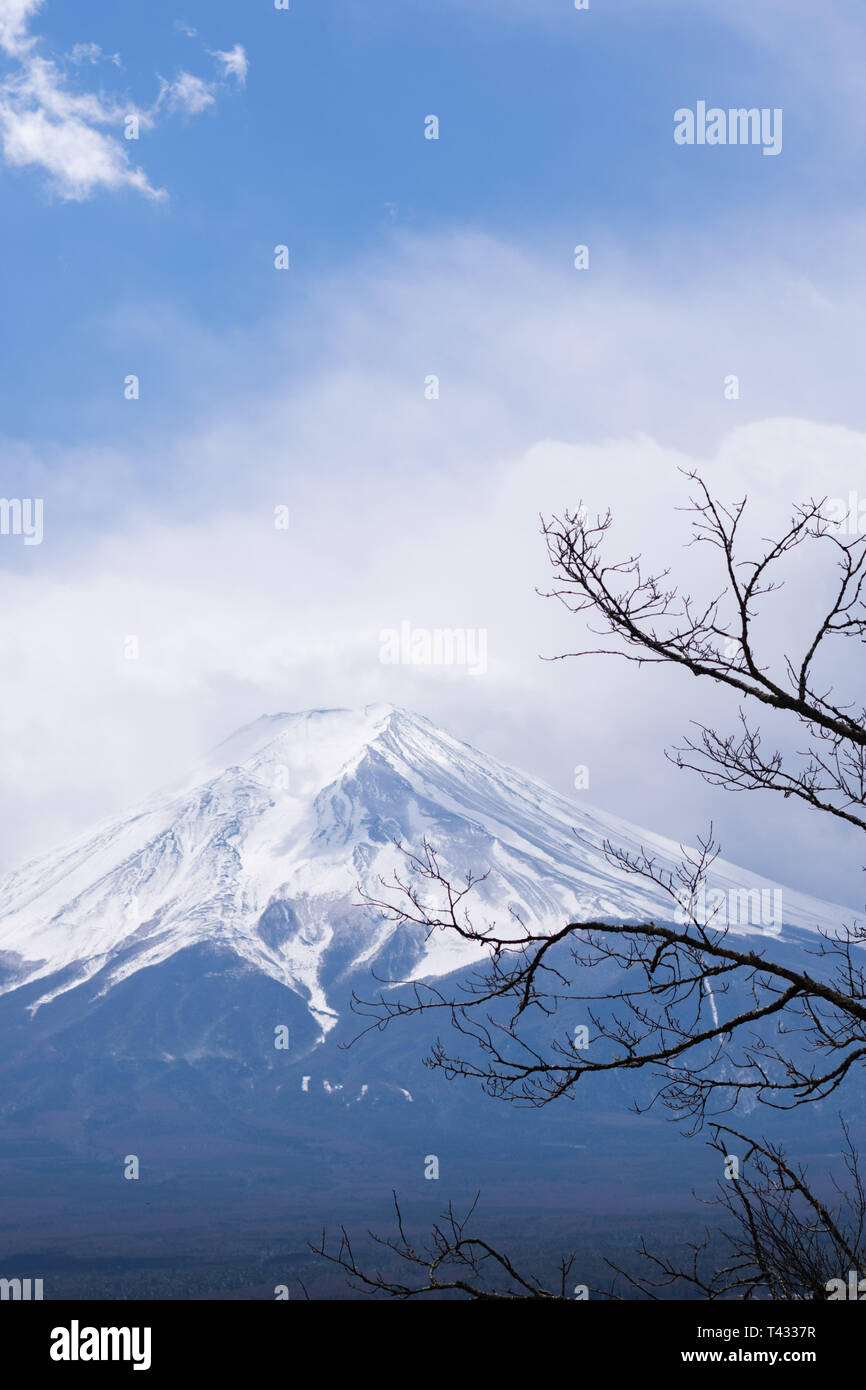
column 146, row 966
column 262, row 850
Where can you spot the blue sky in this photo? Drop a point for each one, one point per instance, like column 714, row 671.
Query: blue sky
column 408, row 257
column 323, row 149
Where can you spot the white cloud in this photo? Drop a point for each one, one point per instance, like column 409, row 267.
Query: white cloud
column 78, row 158
column 403, row 508
column 188, row 93
column 41, row 85
column 86, row 53
column 15, row 16
column 92, row 53
column 43, row 124
column 235, row 62
column 73, row 136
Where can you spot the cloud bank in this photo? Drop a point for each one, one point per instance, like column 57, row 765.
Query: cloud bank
column 553, row 388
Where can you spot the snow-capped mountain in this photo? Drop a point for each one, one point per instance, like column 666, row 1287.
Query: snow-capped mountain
column 261, row 852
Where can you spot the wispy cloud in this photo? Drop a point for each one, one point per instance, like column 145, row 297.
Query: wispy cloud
column 15, row 16
column 45, row 125
column 77, row 158
column 188, row 93
column 92, row 53
column 235, row 62
column 77, row 137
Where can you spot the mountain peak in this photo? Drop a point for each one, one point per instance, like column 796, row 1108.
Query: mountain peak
column 261, row 852
column 315, row 740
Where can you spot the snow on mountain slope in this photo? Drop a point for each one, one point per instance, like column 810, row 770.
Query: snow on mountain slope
column 263, row 847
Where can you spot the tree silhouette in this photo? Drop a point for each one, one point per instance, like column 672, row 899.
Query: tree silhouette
column 714, row 1019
